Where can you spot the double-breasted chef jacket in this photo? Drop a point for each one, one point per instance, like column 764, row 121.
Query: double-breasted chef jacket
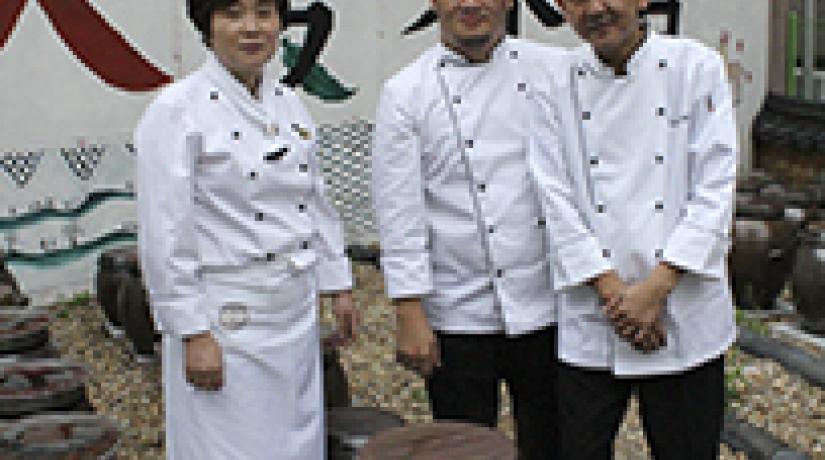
column 459, row 221
column 633, row 170
column 236, row 238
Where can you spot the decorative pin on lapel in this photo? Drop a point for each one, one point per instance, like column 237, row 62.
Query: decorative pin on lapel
column 272, row 130
column 276, row 155
column 302, row 132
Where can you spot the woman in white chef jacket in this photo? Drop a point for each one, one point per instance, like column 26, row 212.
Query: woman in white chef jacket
column 236, row 244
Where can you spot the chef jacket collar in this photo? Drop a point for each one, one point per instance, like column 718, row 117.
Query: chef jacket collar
column 236, row 92
column 449, row 56
column 591, row 62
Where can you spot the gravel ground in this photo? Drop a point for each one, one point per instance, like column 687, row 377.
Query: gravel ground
column 131, row 393
column 784, row 404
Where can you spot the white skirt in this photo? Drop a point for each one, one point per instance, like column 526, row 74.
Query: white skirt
column 271, row 404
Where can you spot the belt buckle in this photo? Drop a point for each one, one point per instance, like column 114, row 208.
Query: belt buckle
column 233, row 316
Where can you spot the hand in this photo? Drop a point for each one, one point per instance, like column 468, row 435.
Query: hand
column 638, row 318
column 417, row 346
column 204, row 362
column 610, row 288
column 346, row 318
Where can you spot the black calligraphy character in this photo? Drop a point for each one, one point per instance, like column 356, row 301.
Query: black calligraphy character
column 550, row 17
column 546, row 14
column 319, row 18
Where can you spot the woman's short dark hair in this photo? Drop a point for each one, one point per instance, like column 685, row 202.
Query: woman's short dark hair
column 201, row 11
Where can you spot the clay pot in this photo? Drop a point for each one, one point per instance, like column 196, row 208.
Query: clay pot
column 350, row 428
column 28, row 386
column 10, row 294
column 66, row 436
column 762, row 256
column 23, row 330
column 809, row 278
column 133, row 303
column 752, row 181
column 438, row 441
column 108, row 265
column 336, row 383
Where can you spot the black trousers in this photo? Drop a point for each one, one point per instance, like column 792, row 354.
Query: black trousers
column 467, row 385
column 682, row 414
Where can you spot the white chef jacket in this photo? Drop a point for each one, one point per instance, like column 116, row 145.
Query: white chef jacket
column 466, row 236
column 225, row 180
column 635, row 170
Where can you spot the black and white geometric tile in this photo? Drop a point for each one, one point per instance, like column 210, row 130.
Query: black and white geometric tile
column 83, row 160
column 344, row 154
column 20, row 166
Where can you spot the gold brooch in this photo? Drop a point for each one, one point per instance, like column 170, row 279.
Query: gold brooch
column 302, row 132
column 272, row 130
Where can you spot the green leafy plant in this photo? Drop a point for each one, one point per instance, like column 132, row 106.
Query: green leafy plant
column 80, row 299
column 734, row 380
column 751, row 323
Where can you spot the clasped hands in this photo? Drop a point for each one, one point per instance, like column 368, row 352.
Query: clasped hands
column 636, row 309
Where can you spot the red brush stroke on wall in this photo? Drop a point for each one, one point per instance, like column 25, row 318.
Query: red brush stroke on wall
column 100, row 47
column 9, row 14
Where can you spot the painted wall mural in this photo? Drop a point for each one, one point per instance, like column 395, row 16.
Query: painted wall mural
column 302, row 61
column 66, row 162
column 93, row 40
column 108, row 54
column 738, row 73
column 111, row 57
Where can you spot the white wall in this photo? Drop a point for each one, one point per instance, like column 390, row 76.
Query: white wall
column 49, row 99
column 748, row 22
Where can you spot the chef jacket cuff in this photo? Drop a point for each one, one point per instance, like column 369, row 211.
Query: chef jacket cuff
column 181, row 318
column 334, row 275
column 697, row 251
column 579, row 261
column 407, row 276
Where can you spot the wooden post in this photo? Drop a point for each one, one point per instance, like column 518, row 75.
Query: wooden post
column 792, row 54
column 778, row 47
column 810, row 48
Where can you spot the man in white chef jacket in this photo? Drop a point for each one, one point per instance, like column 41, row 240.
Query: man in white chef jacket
column 635, row 161
column 461, row 229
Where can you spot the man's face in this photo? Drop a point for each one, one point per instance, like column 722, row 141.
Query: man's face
column 245, row 34
column 472, row 23
column 611, row 26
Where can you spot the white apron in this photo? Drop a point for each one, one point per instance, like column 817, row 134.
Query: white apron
column 271, row 404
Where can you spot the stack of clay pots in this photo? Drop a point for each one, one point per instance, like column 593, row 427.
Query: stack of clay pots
column 44, row 412
column 779, row 236
column 767, row 222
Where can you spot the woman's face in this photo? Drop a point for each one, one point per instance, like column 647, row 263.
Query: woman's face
column 245, row 35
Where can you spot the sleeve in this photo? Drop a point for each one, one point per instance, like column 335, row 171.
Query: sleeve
column 577, row 250
column 398, row 199
column 701, row 239
column 333, row 271
column 166, row 224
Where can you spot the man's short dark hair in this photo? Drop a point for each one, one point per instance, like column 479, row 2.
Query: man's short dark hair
column 200, row 13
